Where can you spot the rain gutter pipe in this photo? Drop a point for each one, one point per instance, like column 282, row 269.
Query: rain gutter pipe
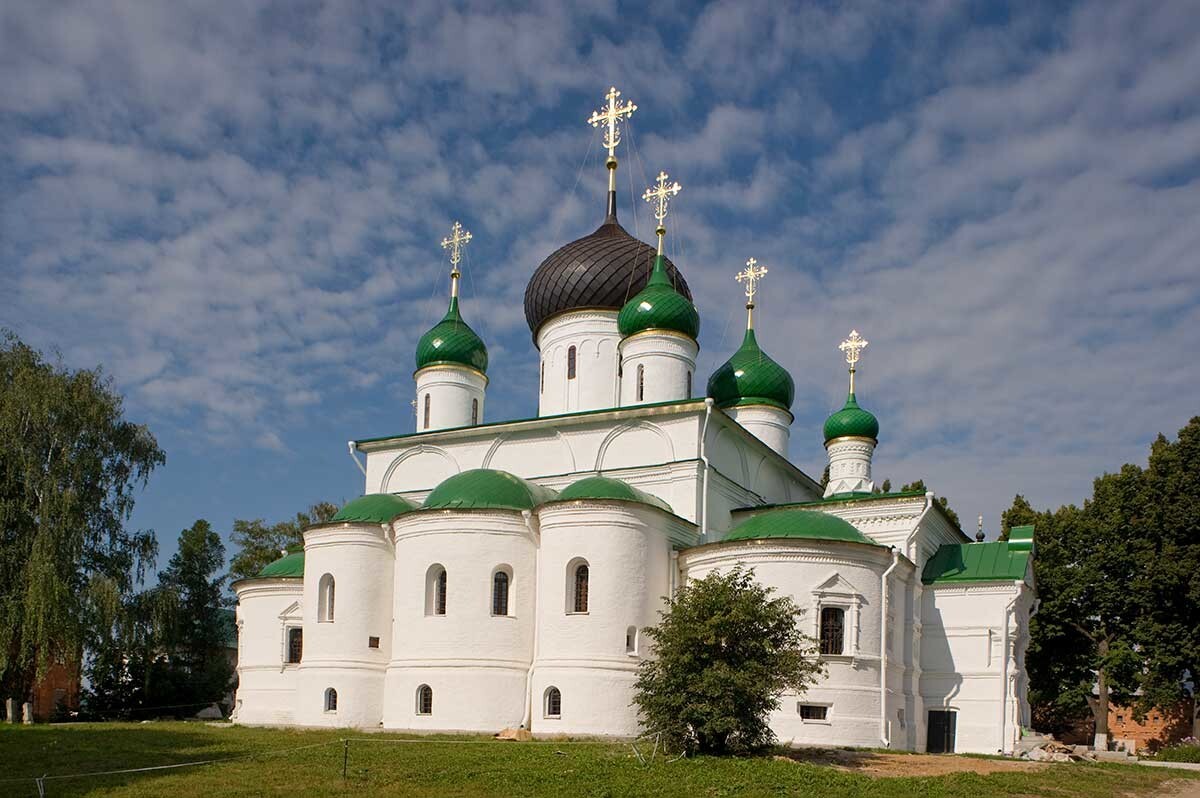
column 527, row 515
column 884, row 737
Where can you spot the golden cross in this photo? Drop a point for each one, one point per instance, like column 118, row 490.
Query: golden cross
column 751, row 275
column 610, row 116
column 458, row 239
column 661, row 194
column 853, row 347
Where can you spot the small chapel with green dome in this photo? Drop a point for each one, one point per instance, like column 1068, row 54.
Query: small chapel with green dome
column 499, row 574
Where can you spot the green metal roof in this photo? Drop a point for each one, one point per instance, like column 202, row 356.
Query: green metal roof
column 659, row 306
column 452, row 341
column 837, row 498
column 750, row 377
column 1000, row 561
column 289, row 566
column 851, row 420
column 487, row 489
column 798, row 524
column 376, row 508
column 608, row 488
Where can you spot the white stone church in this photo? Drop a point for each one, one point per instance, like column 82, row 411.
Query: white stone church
column 501, row 573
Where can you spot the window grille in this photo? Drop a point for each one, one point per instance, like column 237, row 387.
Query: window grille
column 424, row 700
column 553, row 703
column 813, row 712
column 500, row 593
column 439, row 597
column 331, row 700
column 295, row 644
column 581, row 588
column 833, row 630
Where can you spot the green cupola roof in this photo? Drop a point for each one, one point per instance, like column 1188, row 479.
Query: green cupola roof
column 487, row 489
column 798, row 524
column 851, row 421
column 751, row 377
column 377, row 508
column 289, row 566
column 452, row 341
column 609, row 488
column 659, row 306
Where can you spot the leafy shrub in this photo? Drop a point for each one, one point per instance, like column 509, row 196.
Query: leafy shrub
column 1186, row 750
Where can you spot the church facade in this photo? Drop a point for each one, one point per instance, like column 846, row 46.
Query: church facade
column 501, row 574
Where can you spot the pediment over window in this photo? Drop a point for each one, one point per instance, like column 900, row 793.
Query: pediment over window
column 837, row 586
column 293, row 612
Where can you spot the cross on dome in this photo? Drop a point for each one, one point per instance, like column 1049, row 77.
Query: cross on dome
column 610, row 116
column 458, row 239
column 751, row 275
column 852, row 347
column 661, row 194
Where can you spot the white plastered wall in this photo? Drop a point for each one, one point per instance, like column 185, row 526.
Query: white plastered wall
column 266, row 689
column 584, row 655
column 452, row 392
column 668, row 363
column 337, row 652
column 816, row 574
column 771, row 425
column 475, row 662
column 595, row 336
column 850, row 465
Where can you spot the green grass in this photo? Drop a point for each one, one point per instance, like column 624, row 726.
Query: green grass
column 466, row 766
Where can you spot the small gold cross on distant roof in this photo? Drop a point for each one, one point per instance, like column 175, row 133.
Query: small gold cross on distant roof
column 610, row 116
column 661, row 194
column 751, row 275
column 853, row 347
column 458, row 239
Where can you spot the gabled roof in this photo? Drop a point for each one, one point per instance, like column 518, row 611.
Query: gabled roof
column 1000, row 561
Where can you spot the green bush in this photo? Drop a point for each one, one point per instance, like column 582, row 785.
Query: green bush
column 1187, row 750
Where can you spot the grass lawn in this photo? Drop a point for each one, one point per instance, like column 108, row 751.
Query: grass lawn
column 381, row 764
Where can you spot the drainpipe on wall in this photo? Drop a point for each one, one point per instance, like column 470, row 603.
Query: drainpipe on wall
column 354, row 456
column 1004, row 669
column 884, row 737
column 708, row 408
column 908, row 552
column 527, row 515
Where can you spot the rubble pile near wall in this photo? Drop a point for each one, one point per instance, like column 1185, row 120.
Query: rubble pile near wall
column 1054, row 751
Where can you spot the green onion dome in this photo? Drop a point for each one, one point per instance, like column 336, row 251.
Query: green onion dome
column 487, row 489
column 853, row 421
column 798, row 524
column 750, row 377
column 608, row 488
column 659, row 306
column 289, row 566
column 377, row 508
column 452, row 341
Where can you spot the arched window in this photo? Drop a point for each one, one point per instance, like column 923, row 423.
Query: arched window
column 325, row 598
column 500, row 581
column 641, row 382
column 426, row 411
column 553, row 703
column 579, row 588
column 833, row 630
column 474, row 411
column 424, row 700
column 570, row 363
column 435, row 590
column 631, row 640
column 331, row 700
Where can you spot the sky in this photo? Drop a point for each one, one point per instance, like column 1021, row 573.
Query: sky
column 234, row 209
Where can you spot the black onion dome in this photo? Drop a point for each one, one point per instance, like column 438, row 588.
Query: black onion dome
column 602, row 270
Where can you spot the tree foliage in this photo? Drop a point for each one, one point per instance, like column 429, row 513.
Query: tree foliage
column 260, row 543
column 69, row 466
column 724, row 653
column 1119, row 583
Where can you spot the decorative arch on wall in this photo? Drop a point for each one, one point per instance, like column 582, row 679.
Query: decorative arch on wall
column 651, row 436
column 729, row 456
column 431, row 464
column 557, row 457
column 769, row 483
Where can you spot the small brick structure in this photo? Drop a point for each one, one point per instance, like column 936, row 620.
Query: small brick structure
column 1159, row 727
column 60, row 685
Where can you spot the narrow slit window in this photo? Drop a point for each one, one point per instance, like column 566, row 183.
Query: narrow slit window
column 581, row 588
column 474, row 411
column 325, row 596
column 500, row 593
column 631, row 640
column 439, row 594
column 689, row 385
column 426, row 415
column 641, row 382
column 571, row 363
column 295, row 644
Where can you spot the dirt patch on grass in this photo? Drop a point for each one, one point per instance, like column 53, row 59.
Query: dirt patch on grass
column 1181, row 788
column 880, row 764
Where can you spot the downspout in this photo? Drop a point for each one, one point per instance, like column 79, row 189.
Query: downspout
column 908, row 552
column 527, row 515
column 708, row 408
column 353, row 446
column 1004, row 669
column 884, row 737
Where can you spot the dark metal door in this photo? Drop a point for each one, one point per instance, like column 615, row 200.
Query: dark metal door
column 941, row 731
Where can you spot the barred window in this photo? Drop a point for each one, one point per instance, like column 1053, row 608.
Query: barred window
column 814, row 712
column 424, row 700
column 500, row 593
column 331, row 700
column 295, row 644
column 581, row 588
column 833, row 630
column 439, row 594
column 553, row 703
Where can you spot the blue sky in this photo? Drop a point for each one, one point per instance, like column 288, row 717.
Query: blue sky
column 235, row 209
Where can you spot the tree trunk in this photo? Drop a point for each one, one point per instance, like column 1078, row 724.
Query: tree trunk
column 1099, row 705
column 1196, row 710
